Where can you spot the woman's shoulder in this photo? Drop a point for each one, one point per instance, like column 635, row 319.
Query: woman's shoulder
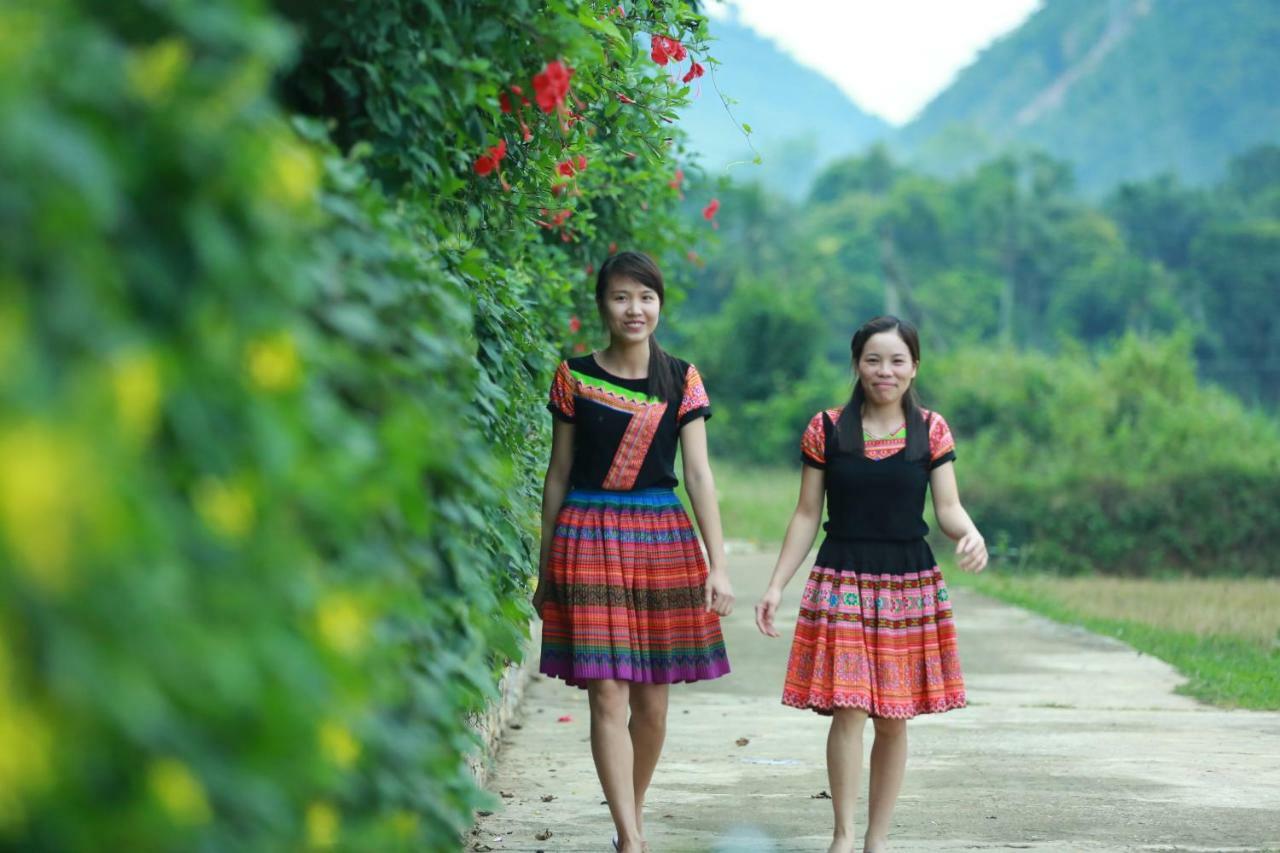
column 579, row 364
column 832, row 415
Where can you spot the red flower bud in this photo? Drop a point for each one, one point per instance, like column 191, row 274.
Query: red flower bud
column 504, row 102
column 582, row 163
column 695, row 70
column 575, row 325
column 709, row 212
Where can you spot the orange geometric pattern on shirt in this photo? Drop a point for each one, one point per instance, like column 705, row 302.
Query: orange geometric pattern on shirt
column 636, row 439
column 813, row 443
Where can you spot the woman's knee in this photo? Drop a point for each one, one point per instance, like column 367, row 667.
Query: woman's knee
column 608, row 698
column 890, row 728
column 649, row 703
column 849, row 718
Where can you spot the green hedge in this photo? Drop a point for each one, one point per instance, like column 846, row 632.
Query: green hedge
column 1122, row 462
column 270, row 418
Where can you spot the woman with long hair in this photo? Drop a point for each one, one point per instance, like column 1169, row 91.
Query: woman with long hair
column 875, row 636
column 628, row 602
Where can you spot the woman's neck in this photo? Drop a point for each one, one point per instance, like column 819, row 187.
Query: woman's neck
column 628, row 360
column 885, row 416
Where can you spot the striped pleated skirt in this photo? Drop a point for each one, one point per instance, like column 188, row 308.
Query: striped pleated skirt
column 626, row 597
column 875, row 633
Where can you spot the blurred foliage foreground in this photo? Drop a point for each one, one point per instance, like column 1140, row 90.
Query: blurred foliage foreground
column 281, row 286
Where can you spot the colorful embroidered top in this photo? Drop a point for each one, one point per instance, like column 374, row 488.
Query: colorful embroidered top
column 877, row 494
column 624, row 439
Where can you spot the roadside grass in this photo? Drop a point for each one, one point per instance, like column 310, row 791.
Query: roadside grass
column 1222, row 634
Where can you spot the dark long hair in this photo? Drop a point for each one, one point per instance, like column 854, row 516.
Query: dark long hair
column 849, row 428
column 665, row 383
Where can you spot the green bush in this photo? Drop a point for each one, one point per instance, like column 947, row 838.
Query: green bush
column 1122, row 462
column 275, row 356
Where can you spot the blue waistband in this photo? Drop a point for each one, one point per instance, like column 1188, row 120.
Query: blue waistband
column 660, row 496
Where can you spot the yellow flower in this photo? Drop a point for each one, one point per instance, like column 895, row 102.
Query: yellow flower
column 338, row 744
column 404, row 823
column 135, row 383
column 342, row 623
column 37, row 485
column 155, row 70
column 178, row 791
column 293, row 171
column 322, row 825
column 273, row 362
column 226, row 508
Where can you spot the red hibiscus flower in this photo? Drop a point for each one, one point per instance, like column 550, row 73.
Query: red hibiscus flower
column 497, row 152
column 565, row 168
column 485, row 164
column 504, row 102
column 658, row 49
column 663, row 49
column 552, row 85
column 709, row 212
column 695, row 71
column 582, row 163
column 575, row 325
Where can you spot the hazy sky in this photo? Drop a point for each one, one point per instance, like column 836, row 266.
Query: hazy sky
column 889, row 56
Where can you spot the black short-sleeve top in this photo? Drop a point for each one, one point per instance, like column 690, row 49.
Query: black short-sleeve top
column 877, row 494
column 623, row 439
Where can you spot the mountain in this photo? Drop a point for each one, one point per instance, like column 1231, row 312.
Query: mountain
column 1122, row 89
column 800, row 120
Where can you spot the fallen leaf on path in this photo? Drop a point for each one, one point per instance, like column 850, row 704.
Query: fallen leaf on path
column 742, row 741
column 506, row 795
column 821, row 795
column 516, row 726
column 481, row 848
column 542, row 836
column 484, row 813
column 546, row 798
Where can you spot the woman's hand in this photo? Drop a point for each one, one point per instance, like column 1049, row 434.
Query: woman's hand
column 719, row 592
column 765, row 610
column 539, row 597
column 971, row 552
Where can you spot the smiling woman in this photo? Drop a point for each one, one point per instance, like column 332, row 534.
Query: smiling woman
column 629, row 603
column 875, row 635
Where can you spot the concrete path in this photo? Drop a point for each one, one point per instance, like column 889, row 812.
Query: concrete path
column 1071, row 742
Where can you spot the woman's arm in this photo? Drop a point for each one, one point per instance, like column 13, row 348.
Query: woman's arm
column 971, row 549
column 801, row 531
column 701, row 486
column 554, row 488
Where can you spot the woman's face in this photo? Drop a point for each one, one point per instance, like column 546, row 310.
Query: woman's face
column 630, row 310
column 885, row 368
